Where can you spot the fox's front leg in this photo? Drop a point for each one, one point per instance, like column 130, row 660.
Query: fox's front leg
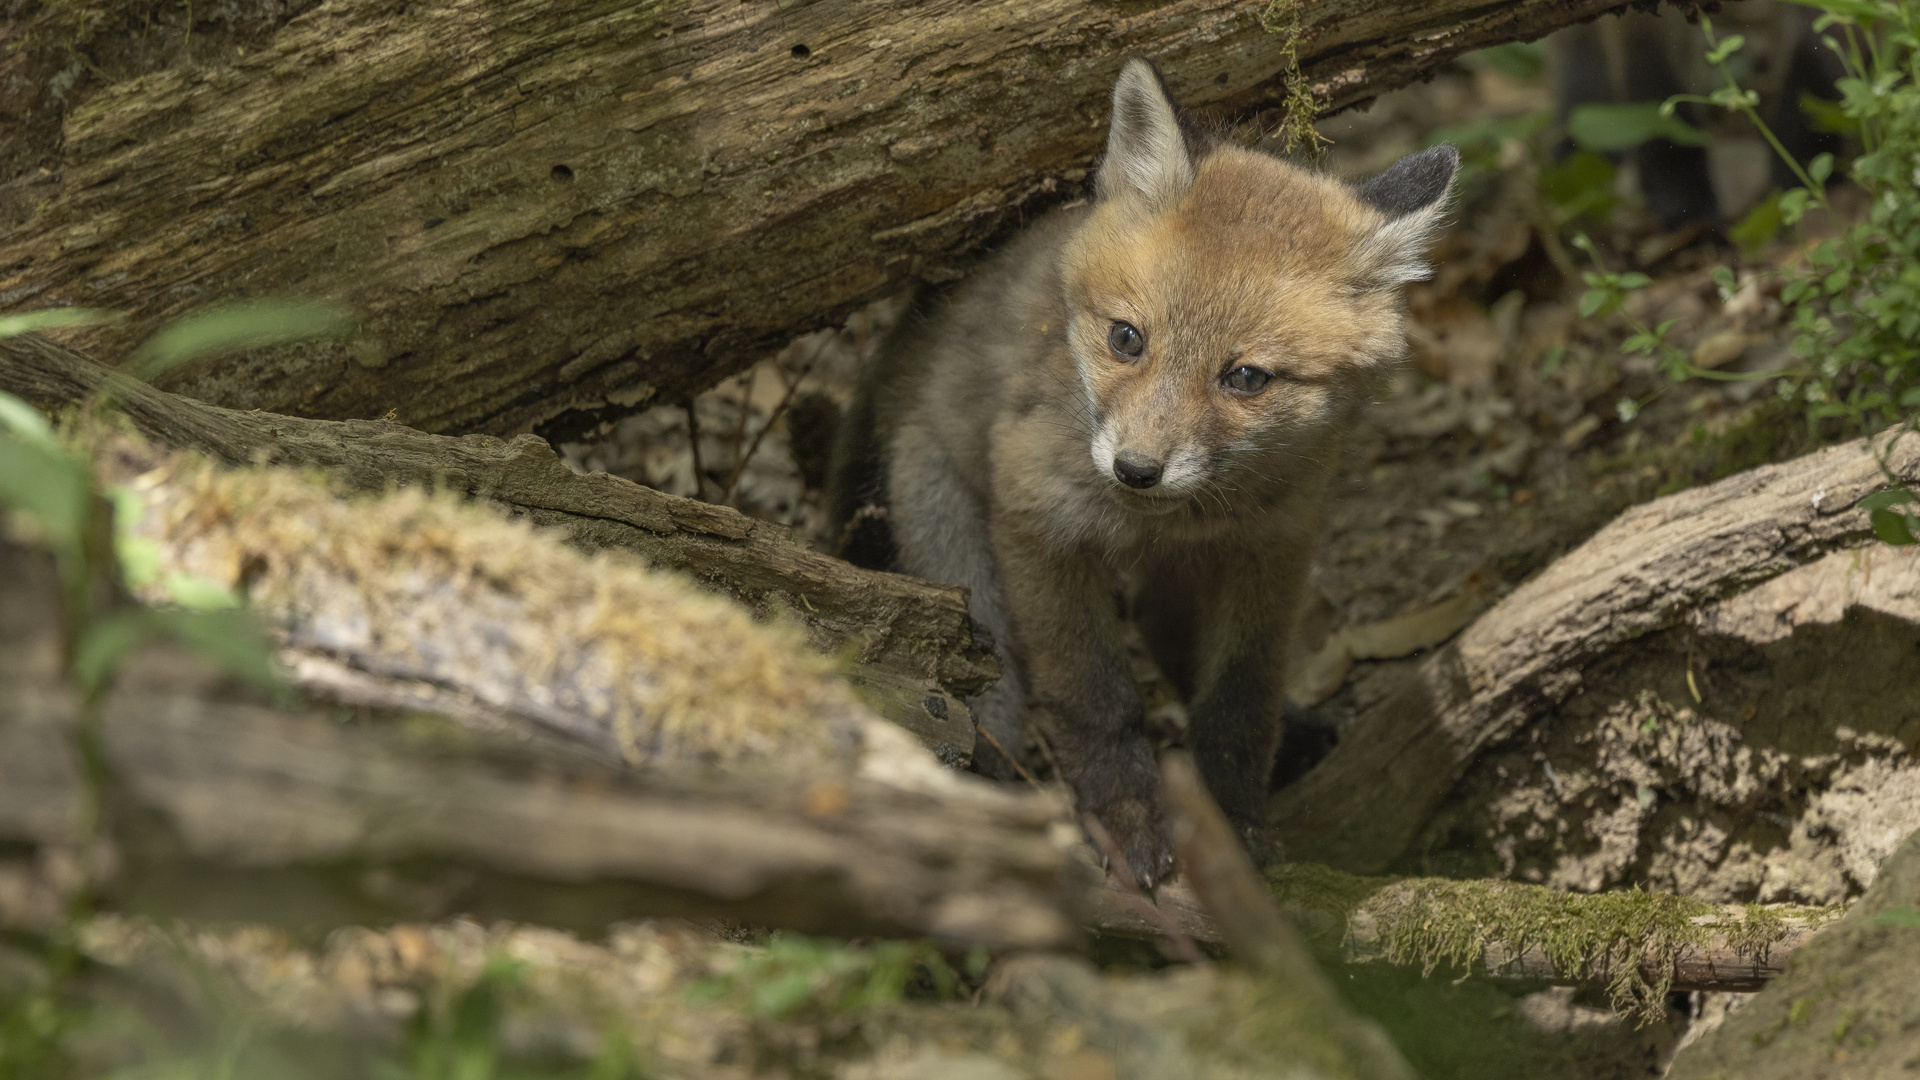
column 1084, row 692
column 1245, row 613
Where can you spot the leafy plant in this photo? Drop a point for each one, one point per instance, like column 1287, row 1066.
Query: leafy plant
column 795, row 973
column 89, row 532
column 1856, row 295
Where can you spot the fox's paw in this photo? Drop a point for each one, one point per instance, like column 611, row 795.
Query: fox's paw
column 1140, row 836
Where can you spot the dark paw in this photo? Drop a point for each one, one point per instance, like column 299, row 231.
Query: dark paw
column 1136, row 831
column 1263, row 847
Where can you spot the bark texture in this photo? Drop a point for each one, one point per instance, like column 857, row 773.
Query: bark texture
column 223, row 806
column 552, row 214
column 1768, row 554
column 910, row 641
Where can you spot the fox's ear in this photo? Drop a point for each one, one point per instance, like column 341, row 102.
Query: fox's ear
column 1413, row 196
column 1146, row 144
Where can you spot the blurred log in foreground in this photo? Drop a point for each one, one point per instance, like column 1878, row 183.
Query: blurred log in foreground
column 221, row 805
column 910, row 642
column 557, row 213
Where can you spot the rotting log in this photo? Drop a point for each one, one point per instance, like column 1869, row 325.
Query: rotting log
column 224, row 806
column 555, row 213
column 1755, row 557
column 910, row 643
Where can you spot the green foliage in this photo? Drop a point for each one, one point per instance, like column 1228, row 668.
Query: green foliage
column 1581, row 186
column 794, row 974
column 1611, row 128
column 1855, row 296
column 246, row 324
column 1518, row 60
column 1890, row 523
column 1898, row 916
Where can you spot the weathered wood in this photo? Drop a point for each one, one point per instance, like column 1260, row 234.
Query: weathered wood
column 910, row 641
column 224, row 806
column 1756, row 548
column 552, row 213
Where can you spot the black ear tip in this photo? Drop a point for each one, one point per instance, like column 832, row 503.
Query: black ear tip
column 1414, row 182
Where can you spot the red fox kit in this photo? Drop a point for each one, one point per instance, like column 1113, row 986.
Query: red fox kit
column 1147, row 391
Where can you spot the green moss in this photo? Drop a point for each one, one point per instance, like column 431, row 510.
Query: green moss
column 1281, row 18
column 1615, row 939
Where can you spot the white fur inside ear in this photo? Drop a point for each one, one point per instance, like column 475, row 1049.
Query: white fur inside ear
column 1146, row 152
column 1396, row 252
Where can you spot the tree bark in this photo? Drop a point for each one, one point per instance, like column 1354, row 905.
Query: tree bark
column 1755, row 557
column 553, row 214
column 910, row 641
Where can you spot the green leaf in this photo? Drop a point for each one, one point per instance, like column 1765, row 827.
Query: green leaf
column 139, row 557
column 1758, row 228
column 1592, row 301
column 1793, row 205
column 1634, row 279
column 196, row 593
column 54, row 318
column 1550, row 363
column 1516, row 60
column 1820, row 168
column 1898, row 916
column 229, row 639
column 1867, row 10
column 779, row 996
column 1582, row 184
column 242, row 325
column 104, row 642
column 24, row 422
column 1911, row 397
column 1891, row 527
column 1727, row 47
column 44, row 482
column 1881, row 500
column 1828, row 117
column 1612, row 128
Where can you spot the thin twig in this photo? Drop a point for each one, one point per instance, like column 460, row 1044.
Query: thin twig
column 1179, row 945
column 746, row 382
column 1011, row 760
column 778, row 411
column 693, row 440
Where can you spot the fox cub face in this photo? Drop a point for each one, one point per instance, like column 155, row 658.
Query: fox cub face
column 1228, row 311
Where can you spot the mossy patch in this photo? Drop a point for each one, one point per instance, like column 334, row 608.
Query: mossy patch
column 428, row 585
column 1627, row 941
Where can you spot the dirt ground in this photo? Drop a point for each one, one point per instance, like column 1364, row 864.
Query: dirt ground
column 1722, row 768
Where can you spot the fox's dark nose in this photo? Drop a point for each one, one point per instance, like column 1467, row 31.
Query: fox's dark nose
column 1136, row 470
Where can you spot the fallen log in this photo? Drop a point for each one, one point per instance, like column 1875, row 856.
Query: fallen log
column 910, row 643
column 1756, row 557
column 553, row 214
column 1638, row 944
column 223, row 806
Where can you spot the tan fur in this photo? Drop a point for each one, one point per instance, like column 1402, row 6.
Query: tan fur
column 1001, row 419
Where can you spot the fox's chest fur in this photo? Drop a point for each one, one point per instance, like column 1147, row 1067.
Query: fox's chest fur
column 1156, row 384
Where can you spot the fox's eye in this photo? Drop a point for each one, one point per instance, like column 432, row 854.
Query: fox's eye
column 1125, row 340
column 1246, row 380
